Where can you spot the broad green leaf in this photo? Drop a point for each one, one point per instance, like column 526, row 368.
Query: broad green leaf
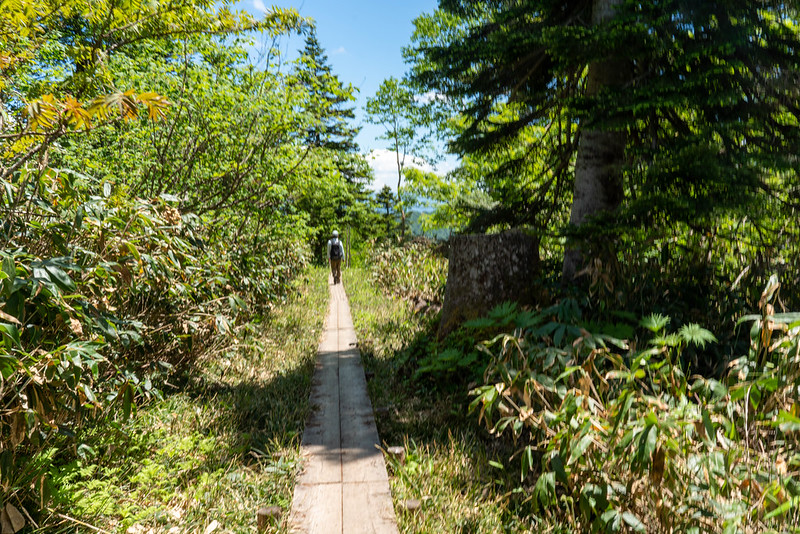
column 580, row 447
column 711, row 436
column 11, row 333
column 558, row 468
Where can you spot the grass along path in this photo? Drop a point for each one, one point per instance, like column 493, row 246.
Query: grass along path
column 208, row 455
column 451, row 467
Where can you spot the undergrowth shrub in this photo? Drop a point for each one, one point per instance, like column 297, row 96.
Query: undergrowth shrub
column 614, row 437
column 101, row 298
column 703, row 273
column 416, row 271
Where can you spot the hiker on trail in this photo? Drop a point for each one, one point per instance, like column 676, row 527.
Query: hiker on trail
column 335, row 255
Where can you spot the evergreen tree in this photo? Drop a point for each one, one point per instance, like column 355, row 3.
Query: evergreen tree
column 684, row 109
column 330, row 139
column 385, row 198
column 332, row 103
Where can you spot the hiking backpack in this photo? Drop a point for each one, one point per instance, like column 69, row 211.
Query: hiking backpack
column 336, row 250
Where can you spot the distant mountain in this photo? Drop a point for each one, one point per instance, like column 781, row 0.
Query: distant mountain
column 413, row 219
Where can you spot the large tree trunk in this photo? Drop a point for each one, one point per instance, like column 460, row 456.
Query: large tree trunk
column 598, row 176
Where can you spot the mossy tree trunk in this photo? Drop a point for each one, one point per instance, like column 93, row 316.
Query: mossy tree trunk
column 598, row 175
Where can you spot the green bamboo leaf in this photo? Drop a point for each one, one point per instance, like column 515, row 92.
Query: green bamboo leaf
column 633, row 522
column 709, row 427
column 794, row 502
column 579, row 449
column 8, row 365
column 558, row 468
column 60, row 277
column 11, row 333
column 545, row 489
column 89, row 393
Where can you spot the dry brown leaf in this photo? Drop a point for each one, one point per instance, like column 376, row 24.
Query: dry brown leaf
column 585, row 384
column 15, row 517
column 9, row 318
column 5, row 523
column 664, row 515
column 780, row 466
column 700, row 429
column 17, row 429
column 657, row 469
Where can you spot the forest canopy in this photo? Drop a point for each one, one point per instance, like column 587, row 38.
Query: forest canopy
column 657, row 117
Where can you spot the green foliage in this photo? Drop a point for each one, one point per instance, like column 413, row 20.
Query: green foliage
column 386, row 201
column 55, row 63
column 334, row 194
column 106, row 295
column 707, row 172
column 102, row 297
column 611, row 440
column 689, row 155
column 219, row 447
column 414, row 271
column 449, row 467
column 405, row 123
column 330, row 100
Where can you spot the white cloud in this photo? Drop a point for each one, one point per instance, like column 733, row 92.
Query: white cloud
column 339, row 51
column 430, row 96
column 384, row 166
column 259, row 5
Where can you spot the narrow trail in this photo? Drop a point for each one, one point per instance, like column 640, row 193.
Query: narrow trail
column 344, row 487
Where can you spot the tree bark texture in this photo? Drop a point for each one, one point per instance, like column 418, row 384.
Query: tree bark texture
column 598, row 175
column 487, row 270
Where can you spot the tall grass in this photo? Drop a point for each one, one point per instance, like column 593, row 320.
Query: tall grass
column 452, row 466
column 213, row 450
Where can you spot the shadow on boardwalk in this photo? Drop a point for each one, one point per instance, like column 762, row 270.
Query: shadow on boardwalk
column 344, row 486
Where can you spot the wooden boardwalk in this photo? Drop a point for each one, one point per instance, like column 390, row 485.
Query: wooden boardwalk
column 344, row 488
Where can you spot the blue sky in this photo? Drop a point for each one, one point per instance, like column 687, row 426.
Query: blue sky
column 363, row 41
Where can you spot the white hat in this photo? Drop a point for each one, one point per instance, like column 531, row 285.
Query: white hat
column 335, row 233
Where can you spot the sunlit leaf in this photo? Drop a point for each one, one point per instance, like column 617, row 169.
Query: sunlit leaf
column 655, row 322
column 696, row 335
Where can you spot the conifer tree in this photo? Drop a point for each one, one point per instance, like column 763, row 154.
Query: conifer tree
column 332, row 101
column 693, row 99
column 330, row 136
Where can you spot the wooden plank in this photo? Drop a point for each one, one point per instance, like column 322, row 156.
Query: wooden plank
column 317, row 509
column 344, row 487
column 323, row 426
column 361, row 458
column 367, row 509
column 321, row 468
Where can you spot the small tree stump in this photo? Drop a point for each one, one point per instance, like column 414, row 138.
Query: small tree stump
column 487, row 270
column 397, row 453
column 267, row 516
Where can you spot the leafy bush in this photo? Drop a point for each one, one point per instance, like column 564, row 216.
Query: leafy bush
column 619, row 438
column 100, row 297
column 415, row 271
